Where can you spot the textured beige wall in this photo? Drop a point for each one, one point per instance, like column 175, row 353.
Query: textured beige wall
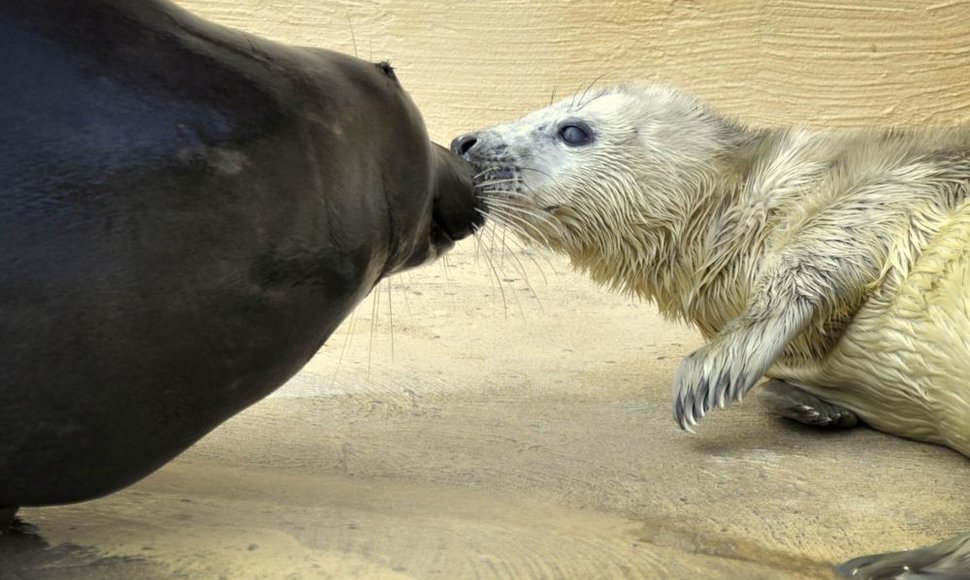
column 768, row 62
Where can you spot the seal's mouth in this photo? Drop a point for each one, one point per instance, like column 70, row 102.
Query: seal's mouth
column 453, row 228
column 457, row 207
column 442, row 235
column 497, row 181
column 506, row 174
column 441, row 238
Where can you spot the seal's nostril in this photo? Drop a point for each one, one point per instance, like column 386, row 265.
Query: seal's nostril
column 462, row 145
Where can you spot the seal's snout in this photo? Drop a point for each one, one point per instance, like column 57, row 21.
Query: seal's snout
column 483, row 148
column 457, row 207
column 463, row 144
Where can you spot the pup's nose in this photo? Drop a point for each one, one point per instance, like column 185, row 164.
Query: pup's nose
column 464, row 143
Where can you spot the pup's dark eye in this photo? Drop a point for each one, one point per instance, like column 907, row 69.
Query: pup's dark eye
column 575, row 134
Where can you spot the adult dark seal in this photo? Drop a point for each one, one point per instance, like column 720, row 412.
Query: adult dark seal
column 186, row 214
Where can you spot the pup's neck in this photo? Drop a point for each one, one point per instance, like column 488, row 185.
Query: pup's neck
column 705, row 277
column 697, row 264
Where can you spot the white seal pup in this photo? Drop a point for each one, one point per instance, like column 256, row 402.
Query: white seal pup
column 834, row 263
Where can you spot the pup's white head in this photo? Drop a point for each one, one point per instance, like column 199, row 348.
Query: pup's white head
column 611, row 178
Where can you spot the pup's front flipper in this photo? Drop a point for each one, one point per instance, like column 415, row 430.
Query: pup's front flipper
column 796, row 404
column 948, row 560
column 726, row 368
column 797, row 288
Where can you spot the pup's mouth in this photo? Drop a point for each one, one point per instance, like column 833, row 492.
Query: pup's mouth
column 503, row 175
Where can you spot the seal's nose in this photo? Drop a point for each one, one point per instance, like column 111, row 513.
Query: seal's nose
column 464, row 143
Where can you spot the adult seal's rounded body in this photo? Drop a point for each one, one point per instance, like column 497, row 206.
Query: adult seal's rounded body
column 837, row 264
column 186, row 214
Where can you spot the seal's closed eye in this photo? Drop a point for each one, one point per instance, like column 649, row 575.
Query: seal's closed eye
column 386, row 68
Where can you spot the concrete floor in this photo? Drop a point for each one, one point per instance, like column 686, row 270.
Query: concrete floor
column 514, row 422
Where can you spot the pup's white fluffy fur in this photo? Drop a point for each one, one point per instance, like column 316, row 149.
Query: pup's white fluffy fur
column 838, row 262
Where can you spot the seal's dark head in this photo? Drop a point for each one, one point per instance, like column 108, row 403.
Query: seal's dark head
column 187, row 213
column 455, row 213
column 455, row 208
column 428, row 192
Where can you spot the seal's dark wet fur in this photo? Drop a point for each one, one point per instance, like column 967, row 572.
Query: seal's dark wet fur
column 186, row 214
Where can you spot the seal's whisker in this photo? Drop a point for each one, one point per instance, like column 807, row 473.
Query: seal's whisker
column 522, row 229
column 511, row 218
column 521, row 205
column 513, row 224
column 502, row 248
column 375, row 302
column 482, row 244
column 479, row 245
column 594, row 98
column 405, row 282
column 491, row 241
column 491, row 168
column 495, row 196
column 353, row 37
column 390, row 315
column 573, row 99
column 494, row 226
column 500, row 245
column 536, row 170
column 445, row 267
column 498, row 281
column 527, row 252
column 516, row 213
column 495, row 182
column 520, row 267
column 486, row 170
column 349, row 326
column 588, row 89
